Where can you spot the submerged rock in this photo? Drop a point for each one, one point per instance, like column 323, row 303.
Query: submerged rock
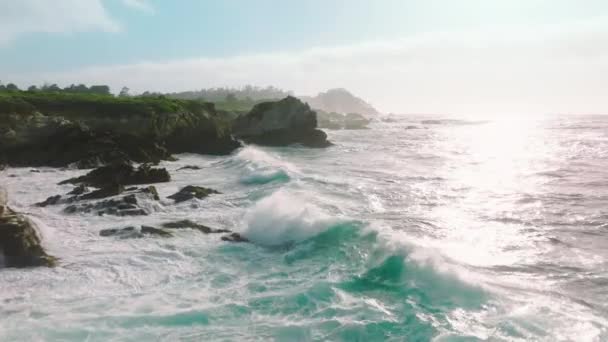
column 341, row 121
column 122, row 174
column 184, row 224
column 190, row 192
column 49, row 201
column 79, row 190
column 155, row 231
column 20, row 244
column 132, row 232
column 234, row 237
column 280, row 123
column 189, row 167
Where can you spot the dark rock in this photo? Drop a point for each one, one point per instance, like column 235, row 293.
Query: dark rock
column 35, row 171
column 115, row 231
column 123, row 174
column 49, row 201
column 126, row 206
column 106, row 191
column 79, row 190
column 20, row 244
column 132, row 232
column 37, row 140
column 189, row 167
column 206, row 133
column 234, row 237
column 2, row 167
column 184, row 224
column 155, row 231
column 281, row 123
column 190, row 192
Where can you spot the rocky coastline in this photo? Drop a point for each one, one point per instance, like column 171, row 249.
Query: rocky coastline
column 119, row 142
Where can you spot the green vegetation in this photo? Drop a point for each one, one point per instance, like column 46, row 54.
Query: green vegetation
column 82, row 104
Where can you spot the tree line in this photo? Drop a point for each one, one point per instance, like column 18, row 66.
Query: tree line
column 71, row 89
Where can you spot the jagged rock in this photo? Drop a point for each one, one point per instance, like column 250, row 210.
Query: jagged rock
column 281, row 123
column 126, row 206
column 79, row 190
column 123, row 174
column 107, row 191
column 20, row 244
column 193, row 225
column 35, row 139
column 190, row 192
column 189, row 167
column 234, row 237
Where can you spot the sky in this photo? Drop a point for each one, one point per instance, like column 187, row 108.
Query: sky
column 403, row 56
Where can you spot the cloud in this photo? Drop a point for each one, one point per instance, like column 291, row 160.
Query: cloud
column 140, row 5
column 494, row 72
column 57, row 16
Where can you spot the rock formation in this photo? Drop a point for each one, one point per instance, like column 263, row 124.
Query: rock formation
column 280, row 123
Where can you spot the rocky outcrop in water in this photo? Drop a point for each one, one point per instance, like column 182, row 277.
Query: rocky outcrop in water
column 189, row 192
column 187, row 224
column 281, row 123
column 20, row 244
column 133, row 232
column 121, row 174
column 128, row 205
column 342, row 121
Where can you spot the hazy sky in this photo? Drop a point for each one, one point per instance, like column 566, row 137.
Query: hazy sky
column 405, row 56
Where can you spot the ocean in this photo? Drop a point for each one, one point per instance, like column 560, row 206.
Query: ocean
column 417, row 229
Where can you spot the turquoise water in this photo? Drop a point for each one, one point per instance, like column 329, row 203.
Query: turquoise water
column 459, row 230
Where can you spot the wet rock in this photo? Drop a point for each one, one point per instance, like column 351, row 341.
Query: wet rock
column 133, row 232
column 106, row 191
column 189, row 192
column 20, row 244
column 185, row 224
column 189, row 167
column 49, row 201
column 123, row 174
column 234, row 237
column 126, row 206
column 155, row 231
column 116, row 231
column 79, row 190
column 281, row 123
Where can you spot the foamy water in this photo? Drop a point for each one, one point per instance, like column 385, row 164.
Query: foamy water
column 456, row 231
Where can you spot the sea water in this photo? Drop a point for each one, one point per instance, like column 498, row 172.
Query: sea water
column 412, row 230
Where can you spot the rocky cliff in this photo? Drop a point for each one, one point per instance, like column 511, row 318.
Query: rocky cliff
column 60, row 129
